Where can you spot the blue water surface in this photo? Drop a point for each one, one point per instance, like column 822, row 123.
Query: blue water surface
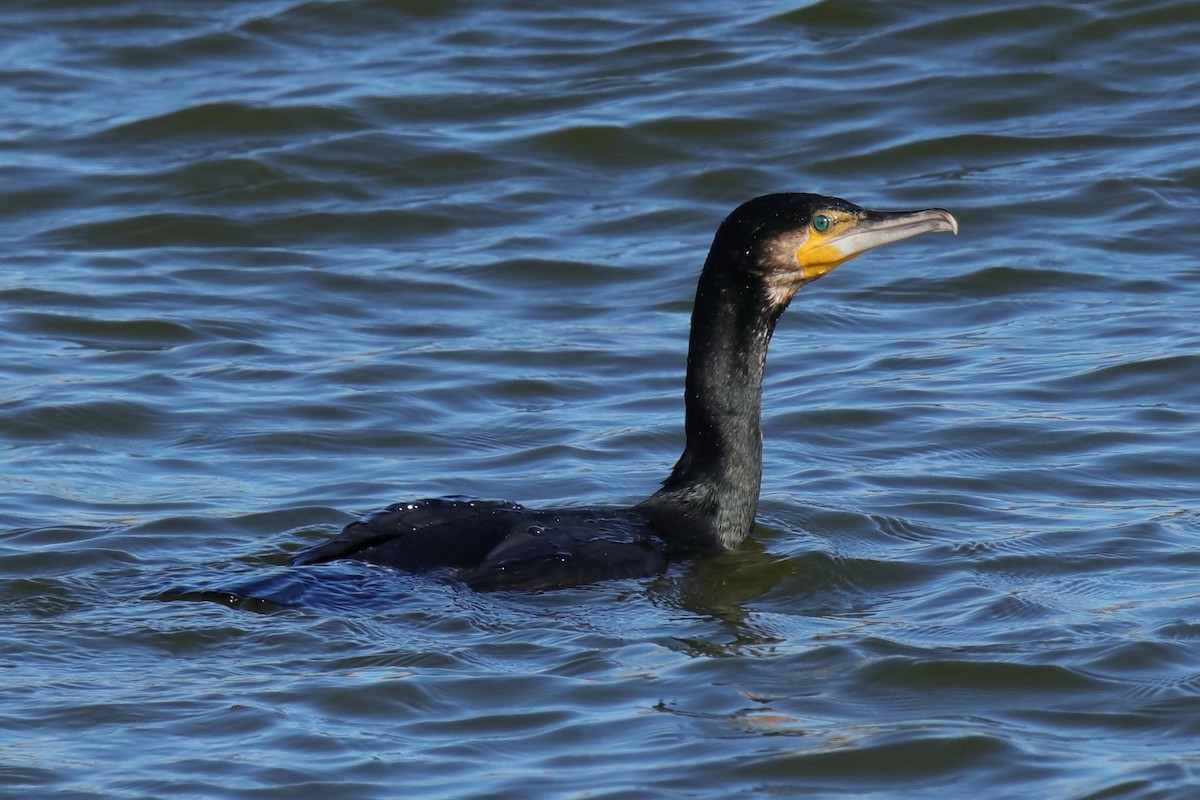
column 267, row 265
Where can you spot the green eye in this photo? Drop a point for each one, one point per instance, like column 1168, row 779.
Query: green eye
column 821, row 223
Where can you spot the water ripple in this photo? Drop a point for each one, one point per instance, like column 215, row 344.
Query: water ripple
column 272, row 264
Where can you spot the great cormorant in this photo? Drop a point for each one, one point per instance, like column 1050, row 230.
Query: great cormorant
column 763, row 253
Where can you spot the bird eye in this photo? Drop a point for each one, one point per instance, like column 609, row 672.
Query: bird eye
column 820, row 223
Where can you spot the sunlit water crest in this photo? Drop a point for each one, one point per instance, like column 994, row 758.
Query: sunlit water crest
column 270, row 265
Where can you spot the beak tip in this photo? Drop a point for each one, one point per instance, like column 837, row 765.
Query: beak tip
column 951, row 222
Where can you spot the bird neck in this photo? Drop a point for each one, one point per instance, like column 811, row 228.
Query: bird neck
column 710, row 499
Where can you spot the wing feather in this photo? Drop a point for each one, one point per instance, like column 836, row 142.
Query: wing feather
column 421, row 535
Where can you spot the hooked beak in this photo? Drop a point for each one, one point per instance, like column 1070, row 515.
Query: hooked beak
column 877, row 228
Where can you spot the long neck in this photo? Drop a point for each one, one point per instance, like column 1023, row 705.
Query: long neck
column 711, row 496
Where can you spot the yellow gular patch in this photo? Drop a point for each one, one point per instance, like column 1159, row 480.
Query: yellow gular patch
column 819, row 253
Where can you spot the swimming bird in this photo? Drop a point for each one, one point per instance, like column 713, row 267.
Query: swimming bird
column 762, row 254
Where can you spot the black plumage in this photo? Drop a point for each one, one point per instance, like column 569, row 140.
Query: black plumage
column 762, row 254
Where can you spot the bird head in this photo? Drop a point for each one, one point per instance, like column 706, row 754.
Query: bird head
column 788, row 240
